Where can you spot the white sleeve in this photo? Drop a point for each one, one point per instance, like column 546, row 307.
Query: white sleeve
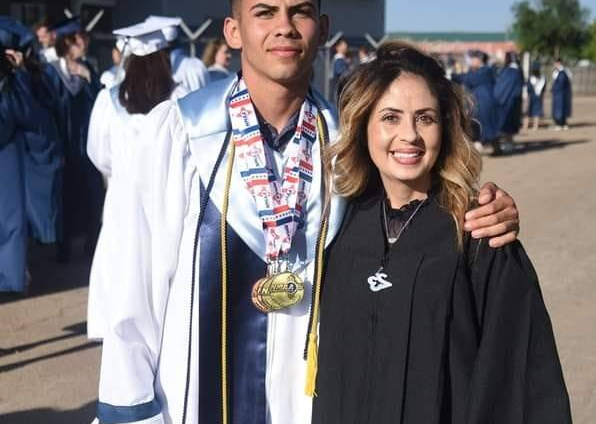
column 142, row 243
column 99, row 147
column 193, row 73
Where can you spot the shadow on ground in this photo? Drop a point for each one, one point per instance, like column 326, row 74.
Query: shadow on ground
column 75, row 330
column 82, row 415
column 548, row 125
column 524, row 147
column 48, row 276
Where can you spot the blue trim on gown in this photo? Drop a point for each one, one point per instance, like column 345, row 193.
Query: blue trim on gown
column 247, row 328
column 109, row 414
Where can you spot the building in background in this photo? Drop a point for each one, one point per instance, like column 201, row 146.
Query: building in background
column 496, row 44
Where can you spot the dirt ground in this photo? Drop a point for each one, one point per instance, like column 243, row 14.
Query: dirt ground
column 48, row 369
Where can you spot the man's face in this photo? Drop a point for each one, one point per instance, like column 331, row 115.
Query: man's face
column 476, row 62
column 342, row 47
column 46, row 38
column 279, row 39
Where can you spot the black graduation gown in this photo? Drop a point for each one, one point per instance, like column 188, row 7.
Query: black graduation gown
column 449, row 342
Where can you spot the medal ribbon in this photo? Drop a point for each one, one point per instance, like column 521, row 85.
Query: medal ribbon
column 280, row 204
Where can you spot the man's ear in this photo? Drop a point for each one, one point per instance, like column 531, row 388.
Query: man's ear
column 324, row 29
column 232, row 34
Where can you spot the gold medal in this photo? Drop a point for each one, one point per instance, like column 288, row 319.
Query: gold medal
column 277, row 292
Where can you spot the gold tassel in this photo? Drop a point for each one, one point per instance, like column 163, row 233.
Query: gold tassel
column 311, row 365
column 312, row 348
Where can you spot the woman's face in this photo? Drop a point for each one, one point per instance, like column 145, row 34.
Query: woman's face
column 223, row 56
column 404, row 134
column 77, row 49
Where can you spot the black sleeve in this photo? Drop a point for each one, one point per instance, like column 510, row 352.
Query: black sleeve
column 517, row 376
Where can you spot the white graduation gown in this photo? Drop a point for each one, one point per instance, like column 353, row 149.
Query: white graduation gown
column 189, row 71
column 113, row 132
column 143, row 371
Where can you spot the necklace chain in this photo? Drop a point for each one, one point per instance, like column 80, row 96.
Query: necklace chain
column 392, row 240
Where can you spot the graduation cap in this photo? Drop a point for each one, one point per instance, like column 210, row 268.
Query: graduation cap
column 169, row 25
column 13, row 34
column 144, row 38
column 67, row 27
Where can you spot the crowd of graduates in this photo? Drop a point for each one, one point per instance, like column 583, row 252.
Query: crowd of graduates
column 56, row 110
column 497, row 94
column 51, row 191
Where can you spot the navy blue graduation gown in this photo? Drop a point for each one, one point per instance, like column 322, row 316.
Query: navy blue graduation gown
column 561, row 96
column 82, row 185
column 508, row 93
column 21, row 123
column 42, row 164
column 480, row 83
column 535, row 101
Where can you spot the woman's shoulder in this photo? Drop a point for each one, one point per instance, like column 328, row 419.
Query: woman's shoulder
column 504, row 268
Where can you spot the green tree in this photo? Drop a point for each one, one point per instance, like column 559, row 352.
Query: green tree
column 551, row 28
column 589, row 51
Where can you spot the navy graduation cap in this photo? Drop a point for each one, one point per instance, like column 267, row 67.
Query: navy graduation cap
column 67, row 27
column 13, row 34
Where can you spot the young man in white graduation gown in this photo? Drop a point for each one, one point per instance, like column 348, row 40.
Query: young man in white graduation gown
column 208, row 323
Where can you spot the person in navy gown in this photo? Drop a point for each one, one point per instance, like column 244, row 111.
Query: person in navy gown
column 562, row 95
column 508, row 93
column 29, row 160
column 76, row 86
column 480, row 82
column 536, row 87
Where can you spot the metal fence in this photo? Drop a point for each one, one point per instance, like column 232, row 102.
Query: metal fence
column 584, row 80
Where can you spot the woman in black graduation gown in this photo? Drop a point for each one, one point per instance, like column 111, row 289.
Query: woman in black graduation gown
column 420, row 324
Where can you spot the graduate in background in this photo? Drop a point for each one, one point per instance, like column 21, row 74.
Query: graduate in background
column 216, row 58
column 536, row 87
column 420, row 324
column 117, row 120
column 340, row 64
column 29, row 159
column 76, row 84
column 480, row 82
column 188, row 71
column 562, row 95
column 508, row 93
column 47, row 40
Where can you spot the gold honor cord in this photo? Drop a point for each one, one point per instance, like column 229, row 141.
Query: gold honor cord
column 312, row 337
column 224, row 286
column 312, row 345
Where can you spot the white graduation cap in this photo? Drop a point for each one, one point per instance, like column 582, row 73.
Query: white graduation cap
column 144, row 38
column 170, row 25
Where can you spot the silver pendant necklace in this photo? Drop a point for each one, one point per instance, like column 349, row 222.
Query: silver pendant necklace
column 379, row 280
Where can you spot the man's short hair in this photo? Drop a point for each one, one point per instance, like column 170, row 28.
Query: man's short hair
column 234, row 4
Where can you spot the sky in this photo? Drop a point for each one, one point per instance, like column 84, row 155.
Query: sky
column 454, row 15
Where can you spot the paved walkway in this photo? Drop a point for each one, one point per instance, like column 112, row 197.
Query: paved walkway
column 48, row 369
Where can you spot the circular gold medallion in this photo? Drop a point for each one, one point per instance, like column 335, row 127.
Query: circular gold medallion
column 277, row 292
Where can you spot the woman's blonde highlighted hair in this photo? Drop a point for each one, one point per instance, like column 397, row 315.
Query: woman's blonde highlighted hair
column 457, row 171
